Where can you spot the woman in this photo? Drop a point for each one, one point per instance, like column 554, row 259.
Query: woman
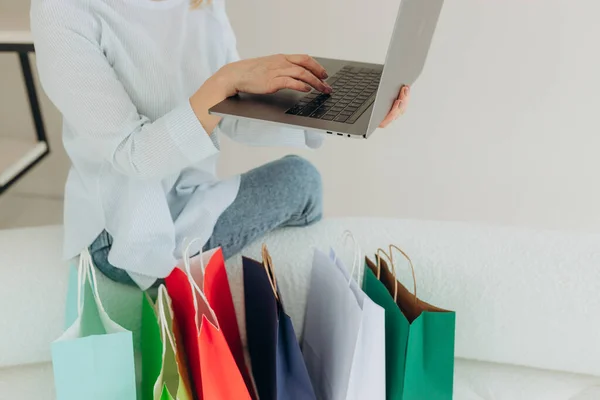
column 134, row 80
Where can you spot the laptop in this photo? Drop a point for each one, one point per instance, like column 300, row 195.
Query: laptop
column 363, row 93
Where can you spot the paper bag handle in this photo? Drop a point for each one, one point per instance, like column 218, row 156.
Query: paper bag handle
column 268, row 264
column 378, row 254
column 195, row 287
column 163, row 297
column 86, row 272
column 357, row 257
column 412, row 267
column 390, row 257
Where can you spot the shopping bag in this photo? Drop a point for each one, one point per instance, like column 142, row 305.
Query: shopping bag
column 213, row 370
column 164, row 370
column 94, row 357
column 419, row 336
column 343, row 342
column 369, row 356
column 209, row 273
column 277, row 363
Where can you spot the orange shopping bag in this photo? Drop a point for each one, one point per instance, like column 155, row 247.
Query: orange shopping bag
column 209, row 273
column 213, row 369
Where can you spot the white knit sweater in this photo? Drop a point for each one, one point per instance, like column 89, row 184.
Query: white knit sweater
column 143, row 168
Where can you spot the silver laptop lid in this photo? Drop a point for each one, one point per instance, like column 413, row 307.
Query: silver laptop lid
column 407, row 52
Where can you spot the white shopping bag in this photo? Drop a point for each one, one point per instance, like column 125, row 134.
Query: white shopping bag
column 344, row 334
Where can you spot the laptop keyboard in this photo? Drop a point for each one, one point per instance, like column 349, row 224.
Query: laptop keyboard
column 354, row 91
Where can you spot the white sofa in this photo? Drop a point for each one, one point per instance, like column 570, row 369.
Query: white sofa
column 527, row 301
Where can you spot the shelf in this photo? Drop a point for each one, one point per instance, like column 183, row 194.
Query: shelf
column 16, row 155
column 17, row 37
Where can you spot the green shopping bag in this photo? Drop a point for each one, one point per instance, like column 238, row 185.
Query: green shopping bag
column 419, row 337
column 94, row 358
column 164, row 372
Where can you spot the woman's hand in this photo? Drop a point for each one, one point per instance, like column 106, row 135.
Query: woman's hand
column 398, row 108
column 258, row 76
column 270, row 74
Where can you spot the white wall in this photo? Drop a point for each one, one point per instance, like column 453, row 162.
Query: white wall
column 503, row 125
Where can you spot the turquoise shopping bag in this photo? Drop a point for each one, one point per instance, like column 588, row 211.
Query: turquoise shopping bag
column 94, row 358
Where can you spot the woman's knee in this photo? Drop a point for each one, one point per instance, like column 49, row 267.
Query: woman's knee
column 306, row 182
column 306, row 176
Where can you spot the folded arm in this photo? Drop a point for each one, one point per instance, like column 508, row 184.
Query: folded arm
column 82, row 84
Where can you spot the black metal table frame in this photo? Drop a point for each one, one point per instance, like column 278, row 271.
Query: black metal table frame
column 23, row 50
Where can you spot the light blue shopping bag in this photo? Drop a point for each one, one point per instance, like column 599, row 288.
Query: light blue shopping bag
column 94, row 358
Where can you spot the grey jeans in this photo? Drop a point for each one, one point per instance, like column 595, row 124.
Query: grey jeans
column 286, row 192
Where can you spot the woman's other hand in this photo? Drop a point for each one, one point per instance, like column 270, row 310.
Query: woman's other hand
column 270, row 74
column 398, row 108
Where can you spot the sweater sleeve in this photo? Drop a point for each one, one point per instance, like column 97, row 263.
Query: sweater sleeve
column 257, row 133
column 81, row 83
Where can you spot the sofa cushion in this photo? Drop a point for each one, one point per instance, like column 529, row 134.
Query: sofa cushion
column 34, row 283
column 522, row 296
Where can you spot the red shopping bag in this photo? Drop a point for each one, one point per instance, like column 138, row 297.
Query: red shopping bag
column 211, row 276
column 213, row 369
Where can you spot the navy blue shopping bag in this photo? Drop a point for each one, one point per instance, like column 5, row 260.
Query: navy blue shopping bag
column 278, row 366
